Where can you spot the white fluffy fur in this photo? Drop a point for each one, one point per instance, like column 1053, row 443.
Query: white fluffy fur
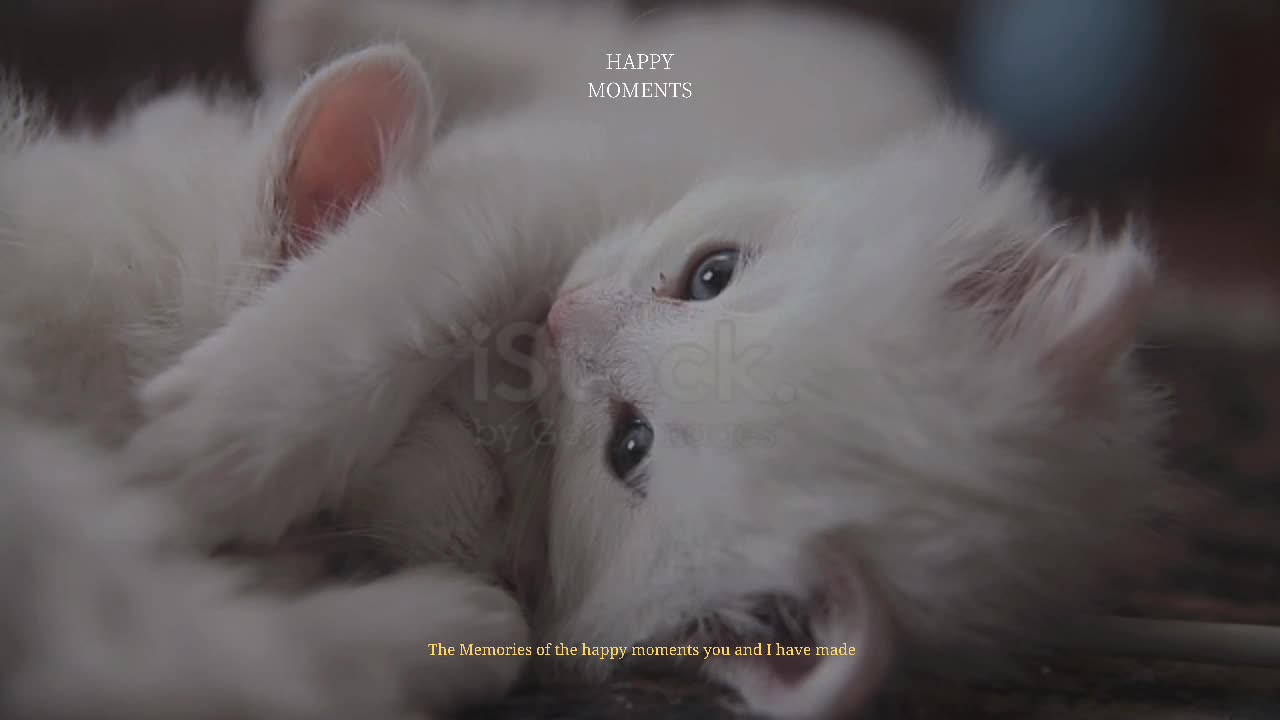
column 117, row 253
column 947, row 388
column 111, row 610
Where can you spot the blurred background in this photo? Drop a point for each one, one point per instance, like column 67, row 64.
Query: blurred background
column 1169, row 107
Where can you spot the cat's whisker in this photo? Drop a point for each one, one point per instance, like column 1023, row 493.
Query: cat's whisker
column 256, row 266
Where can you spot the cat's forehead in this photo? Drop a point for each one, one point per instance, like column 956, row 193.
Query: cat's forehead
column 734, row 211
column 753, row 213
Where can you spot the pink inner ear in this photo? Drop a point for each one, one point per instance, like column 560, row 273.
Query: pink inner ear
column 340, row 154
column 1076, row 312
column 999, row 287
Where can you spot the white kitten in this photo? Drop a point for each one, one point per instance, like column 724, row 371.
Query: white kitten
column 890, row 406
column 944, row 395
column 119, row 252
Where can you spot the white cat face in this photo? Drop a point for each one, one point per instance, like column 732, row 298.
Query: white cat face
column 878, row 406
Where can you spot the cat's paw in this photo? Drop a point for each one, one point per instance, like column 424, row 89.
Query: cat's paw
column 219, row 428
column 419, row 630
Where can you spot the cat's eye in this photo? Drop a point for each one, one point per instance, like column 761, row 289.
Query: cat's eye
column 628, row 446
column 710, row 274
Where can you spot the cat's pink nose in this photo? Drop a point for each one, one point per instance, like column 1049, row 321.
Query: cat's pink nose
column 578, row 315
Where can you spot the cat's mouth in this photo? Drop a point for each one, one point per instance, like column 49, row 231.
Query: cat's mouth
column 766, row 623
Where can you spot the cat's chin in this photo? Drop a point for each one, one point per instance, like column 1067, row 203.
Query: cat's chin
column 765, row 622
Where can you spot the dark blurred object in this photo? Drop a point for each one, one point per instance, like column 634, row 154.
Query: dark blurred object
column 1102, row 90
column 86, row 56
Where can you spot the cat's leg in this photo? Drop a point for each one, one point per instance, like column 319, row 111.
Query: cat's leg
column 481, row 57
column 185, row 643
column 109, row 612
column 419, row 627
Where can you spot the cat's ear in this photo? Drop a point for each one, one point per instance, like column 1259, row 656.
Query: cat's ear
column 851, row 649
column 364, row 119
column 1075, row 308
